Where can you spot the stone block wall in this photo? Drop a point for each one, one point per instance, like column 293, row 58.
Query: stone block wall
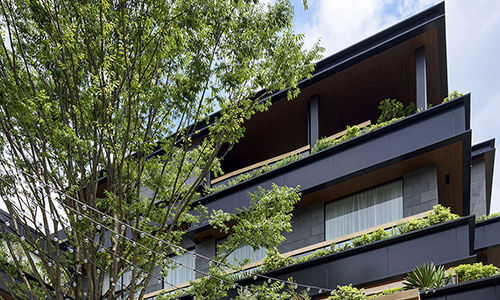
column 478, row 188
column 420, row 191
column 308, row 227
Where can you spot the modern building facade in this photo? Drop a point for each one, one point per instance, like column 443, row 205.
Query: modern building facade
column 374, row 180
column 395, row 172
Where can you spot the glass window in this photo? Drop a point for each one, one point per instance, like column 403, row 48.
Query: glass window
column 183, row 273
column 363, row 210
column 244, row 252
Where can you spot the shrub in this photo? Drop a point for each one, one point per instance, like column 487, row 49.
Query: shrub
column 426, row 276
column 453, row 95
column 347, row 292
column 487, row 217
column 441, row 214
column 274, row 260
column 438, row 215
column 390, row 109
column 386, row 292
column 287, row 160
column 361, row 240
column 475, row 271
column 367, row 238
column 411, row 225
column 393, row 109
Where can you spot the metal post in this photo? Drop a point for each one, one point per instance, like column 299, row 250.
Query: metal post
column 421, row 78
column 313, row 106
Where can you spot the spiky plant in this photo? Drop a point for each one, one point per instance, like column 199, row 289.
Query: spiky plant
column 426, row 276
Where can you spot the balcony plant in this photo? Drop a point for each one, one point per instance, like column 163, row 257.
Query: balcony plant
column 468, row 272
column 426, row 276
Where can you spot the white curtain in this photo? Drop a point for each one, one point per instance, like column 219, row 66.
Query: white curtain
column 246, row 251
column 182, row 274
column 363, row 210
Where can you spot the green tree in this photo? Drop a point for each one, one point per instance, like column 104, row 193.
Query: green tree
column 96, row 88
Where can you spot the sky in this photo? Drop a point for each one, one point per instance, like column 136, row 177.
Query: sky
column 472, row 38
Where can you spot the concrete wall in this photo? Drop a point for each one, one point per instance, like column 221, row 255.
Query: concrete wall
column 478, row 188
column 420, row 192
column 308, row 227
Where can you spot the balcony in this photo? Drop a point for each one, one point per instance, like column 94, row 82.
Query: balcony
column 439, row 135
column 487, row 288
column 444, row 244
column 487, row 236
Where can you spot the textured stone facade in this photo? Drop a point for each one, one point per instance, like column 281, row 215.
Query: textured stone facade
column 420, row 191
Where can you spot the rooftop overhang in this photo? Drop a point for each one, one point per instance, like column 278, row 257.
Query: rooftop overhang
column 439, row 136
column 350, row 86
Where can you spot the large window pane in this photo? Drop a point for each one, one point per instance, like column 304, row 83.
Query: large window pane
column 363, row 210
column 246, row 251
column 184, row 273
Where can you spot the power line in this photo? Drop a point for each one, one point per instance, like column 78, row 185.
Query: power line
column 124, row 226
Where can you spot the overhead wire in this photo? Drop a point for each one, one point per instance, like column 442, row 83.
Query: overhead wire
column 143, row 233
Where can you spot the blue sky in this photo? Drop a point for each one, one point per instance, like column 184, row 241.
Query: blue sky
column 473, row 40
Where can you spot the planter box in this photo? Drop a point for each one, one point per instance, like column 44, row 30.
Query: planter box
column 487, row 288
column 393, row 143
column 406, row 295
column 384, row 260
column 487, row 234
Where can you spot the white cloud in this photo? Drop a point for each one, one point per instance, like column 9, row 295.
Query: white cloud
column 342, row 23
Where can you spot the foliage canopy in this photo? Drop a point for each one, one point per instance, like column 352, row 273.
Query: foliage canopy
column 92, row 91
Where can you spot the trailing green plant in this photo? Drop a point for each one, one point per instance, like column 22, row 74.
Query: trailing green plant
column 411, row 225
column 426, row 276
column 274, row 260
column 317, row 254
column 246, row 176
column 386, row 292
column 367, row 238
column 439, row 214
column 487, row 217
column 452, row 95
column 347, row 292
column 351, row 132
column 287, row 160
column 467, row 272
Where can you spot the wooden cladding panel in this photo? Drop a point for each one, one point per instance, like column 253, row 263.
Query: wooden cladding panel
column 348, row 97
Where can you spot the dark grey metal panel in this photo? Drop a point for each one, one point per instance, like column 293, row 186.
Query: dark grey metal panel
column 384, row 260
column 459, row 119
column 433, row 248
column 309, row 175
column 436, row 127
column 486, row 288
column 314, row 130
column 391, row 143
column 362, row 155
column 487, row 234
column 361, row 267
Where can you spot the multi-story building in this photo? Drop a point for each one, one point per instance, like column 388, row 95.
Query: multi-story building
column 374, row 180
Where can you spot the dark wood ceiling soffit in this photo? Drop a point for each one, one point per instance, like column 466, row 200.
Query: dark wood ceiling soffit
column 348, row 97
